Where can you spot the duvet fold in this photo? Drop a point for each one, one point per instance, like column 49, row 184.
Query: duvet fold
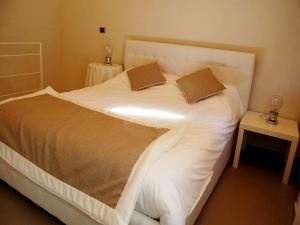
column 74, row 149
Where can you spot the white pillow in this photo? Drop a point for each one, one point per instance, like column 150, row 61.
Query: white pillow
column 230, row 75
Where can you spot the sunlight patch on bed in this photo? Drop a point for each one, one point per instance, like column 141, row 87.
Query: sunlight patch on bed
column 149, row 113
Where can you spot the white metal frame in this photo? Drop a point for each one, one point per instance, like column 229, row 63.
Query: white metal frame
column 24, row 74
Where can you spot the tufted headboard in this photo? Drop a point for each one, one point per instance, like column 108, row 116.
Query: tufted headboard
column 182, row 60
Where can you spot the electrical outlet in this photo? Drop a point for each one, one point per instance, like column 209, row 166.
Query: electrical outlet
column 102, row 30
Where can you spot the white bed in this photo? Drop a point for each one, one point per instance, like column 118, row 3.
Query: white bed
column 164, row 190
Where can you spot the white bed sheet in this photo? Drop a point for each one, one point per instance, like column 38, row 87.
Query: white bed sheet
column 171, row 188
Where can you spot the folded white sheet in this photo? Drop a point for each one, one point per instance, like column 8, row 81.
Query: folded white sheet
column 173, row 186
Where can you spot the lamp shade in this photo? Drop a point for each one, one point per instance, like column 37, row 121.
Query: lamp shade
column 108, row 51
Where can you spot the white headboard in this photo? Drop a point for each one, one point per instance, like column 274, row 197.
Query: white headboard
column 182, row 60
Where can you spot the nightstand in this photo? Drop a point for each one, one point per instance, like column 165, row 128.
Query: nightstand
column 286, row 130
column 98, row 73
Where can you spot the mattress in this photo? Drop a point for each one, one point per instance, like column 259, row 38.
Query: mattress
column 172, row 188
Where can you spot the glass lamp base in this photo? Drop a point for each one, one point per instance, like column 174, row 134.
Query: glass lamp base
column 108, row 61
column 272, row 118
column 272, row 122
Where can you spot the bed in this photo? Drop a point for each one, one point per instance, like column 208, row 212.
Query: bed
column 163, row 198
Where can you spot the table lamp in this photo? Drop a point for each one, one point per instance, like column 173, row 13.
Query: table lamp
column 276, row 103
column 108, row 55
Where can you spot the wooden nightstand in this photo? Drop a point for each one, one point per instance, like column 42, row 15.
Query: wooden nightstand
column 98, row 73
column 286, row 130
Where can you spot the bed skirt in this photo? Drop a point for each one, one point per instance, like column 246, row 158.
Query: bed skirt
column 65, row 212
column 73, row 216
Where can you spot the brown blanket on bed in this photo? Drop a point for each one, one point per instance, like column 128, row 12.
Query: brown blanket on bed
column 88, row 150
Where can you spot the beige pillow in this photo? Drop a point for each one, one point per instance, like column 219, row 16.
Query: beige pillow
column 199, row 85
column 145, row 76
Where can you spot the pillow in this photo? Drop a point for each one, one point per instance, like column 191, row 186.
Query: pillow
column 145, row 76
column 230, row 75
column 199, row 85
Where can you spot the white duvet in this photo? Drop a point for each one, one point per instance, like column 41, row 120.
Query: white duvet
column 105, row 215
column 173, row 179
column 173, row 186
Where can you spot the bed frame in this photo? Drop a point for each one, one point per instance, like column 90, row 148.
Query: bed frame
column 176, row 59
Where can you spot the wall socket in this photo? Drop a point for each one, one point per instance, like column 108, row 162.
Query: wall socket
column 102, row 30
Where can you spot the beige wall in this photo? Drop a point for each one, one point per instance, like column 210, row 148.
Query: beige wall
column 35, row 20
column 69, row 32
column 269, row 28
column 81, row 42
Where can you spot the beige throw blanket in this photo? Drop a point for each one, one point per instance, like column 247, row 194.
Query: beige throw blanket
column 88, row 150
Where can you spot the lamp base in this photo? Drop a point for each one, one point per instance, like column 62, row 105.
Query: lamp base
column 108, row 61
column 272, row 118
column 272, row 122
